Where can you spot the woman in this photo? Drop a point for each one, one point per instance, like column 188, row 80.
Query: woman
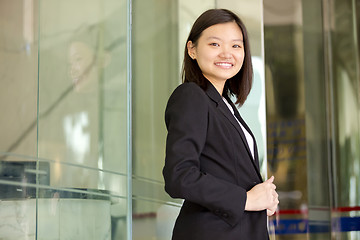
column 211, row 155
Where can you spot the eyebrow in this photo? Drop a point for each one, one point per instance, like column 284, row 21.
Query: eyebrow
column 236, row 40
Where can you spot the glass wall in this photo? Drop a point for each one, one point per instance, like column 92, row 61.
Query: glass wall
column 154, row 75
column 18, row 105
column 64, row 151
column 286, row 135
column 345, row 90
column 312, row 78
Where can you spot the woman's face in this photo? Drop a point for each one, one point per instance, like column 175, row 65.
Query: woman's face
column 219, row 51
column 81, row 61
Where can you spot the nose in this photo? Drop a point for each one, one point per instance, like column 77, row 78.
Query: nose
column 73, row 68
column 225, row 52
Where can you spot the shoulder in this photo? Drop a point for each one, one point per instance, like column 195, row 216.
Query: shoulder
column 188, row 93
column 187, row 99
column 188, row 89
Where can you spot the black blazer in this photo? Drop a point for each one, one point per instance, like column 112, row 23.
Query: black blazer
column 209, row 164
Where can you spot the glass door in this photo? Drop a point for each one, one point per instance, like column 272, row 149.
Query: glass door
column 312, row 79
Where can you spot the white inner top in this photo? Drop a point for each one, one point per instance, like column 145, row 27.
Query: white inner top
column 249, row 139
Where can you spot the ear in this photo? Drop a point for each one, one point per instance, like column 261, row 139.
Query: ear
column 191, row 49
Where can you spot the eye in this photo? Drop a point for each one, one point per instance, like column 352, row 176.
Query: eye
column 214, row 44
column 237, row 46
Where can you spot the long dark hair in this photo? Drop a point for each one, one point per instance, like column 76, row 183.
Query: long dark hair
column 239, row 85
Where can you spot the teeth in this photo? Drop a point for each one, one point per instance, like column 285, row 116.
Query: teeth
column 224, row 64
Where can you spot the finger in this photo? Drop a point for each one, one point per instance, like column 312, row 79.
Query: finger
column 276, row 196
column 269, row 212
column 273, row 207
column 271, row 179
column 272, row 186
column 274, row 193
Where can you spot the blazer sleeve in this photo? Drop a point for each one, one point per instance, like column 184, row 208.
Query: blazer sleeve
column 186, row 118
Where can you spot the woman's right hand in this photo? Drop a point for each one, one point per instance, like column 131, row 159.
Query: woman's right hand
column 263, row 197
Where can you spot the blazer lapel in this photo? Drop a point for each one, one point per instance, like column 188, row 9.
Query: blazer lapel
column 224, row 109
column 255, row 161
column 217, row 98
column 256, row 155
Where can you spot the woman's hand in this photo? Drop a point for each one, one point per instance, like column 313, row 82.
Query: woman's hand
column 263, row 196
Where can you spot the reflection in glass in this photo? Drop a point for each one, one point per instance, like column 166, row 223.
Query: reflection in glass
column 154, row 75
column 72, row 111
column 286, row 125
column 88, row 93
column 346, row 118
column 313, row 117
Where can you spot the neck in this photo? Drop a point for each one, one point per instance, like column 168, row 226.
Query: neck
column 219, row 86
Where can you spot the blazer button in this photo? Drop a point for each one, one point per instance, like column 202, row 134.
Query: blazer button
column 225, row 215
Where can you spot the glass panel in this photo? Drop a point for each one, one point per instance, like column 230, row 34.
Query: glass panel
column 154, row 225
column 84, row 103
column 18, row 75
column 154, row 212
column 18, row 196
column 314, row 157
column 154, row 75
column 286, row 116
column 345, row 73
column 18, row 121
column 82, row 213
column 82, row 126
column 30, row 210
column 317, row 123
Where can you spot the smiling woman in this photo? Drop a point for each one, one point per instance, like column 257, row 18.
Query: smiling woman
column 219, row 52
column 215, row 28
column 211, row 154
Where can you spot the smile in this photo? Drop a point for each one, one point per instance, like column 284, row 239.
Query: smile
column 224, row 64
